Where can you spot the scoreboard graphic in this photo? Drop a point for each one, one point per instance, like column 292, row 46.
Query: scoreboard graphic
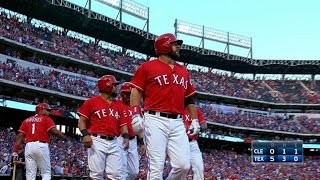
column 277, row 152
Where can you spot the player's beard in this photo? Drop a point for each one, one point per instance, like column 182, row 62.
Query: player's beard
column 125, row 97
column 126, row 101
column 174, row 55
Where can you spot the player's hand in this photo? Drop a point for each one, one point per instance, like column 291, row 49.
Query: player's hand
column 15, row 155
column 125, row 143
column 87, row 141
column 194, row 129
column 137, row 123
column 62, row 136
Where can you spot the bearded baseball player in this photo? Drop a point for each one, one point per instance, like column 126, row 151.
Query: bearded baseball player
column 165, row 88
column 130, row 156
column 196, row 155
column 36, row 130
column 101, row 122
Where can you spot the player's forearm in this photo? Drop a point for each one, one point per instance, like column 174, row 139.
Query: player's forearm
column 204, row 125
column 82, row 123
column 192, row 110
column 20, row 139
column 135, row 97
column 20, row 162
column 57, row 133
column 124, row 129
column 140, row 135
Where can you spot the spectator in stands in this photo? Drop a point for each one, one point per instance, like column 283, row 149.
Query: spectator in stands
column 5, row 169
column 20, row 172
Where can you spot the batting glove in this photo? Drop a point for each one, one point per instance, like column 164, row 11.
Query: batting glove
column 136, row 119
column 194, row 128
column 137, row 123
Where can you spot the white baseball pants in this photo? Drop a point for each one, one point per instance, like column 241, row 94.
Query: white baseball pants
column 130, row 159
column 37, row 157
column 166, row 136
column 104, row 156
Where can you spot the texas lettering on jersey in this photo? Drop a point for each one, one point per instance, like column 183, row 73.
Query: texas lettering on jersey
column 127, row 113
column 157, row 79
column 103, row 118
column 187, row 117
column 163, row 80
column 103, row 113
column 187, row 120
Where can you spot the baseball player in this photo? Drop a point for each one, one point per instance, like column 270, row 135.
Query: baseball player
column 130, row 156
column 196, row 155
column 101, row 121
column 166, row 90
column 36, row 130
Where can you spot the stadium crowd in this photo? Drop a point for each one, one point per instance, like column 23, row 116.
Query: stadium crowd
column 69, row 158
column 273, row 122
column 58, row 41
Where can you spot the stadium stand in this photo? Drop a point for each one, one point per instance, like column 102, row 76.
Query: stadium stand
column 40, row 37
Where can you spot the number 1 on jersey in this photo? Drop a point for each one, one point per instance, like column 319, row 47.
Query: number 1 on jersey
column 33, row 128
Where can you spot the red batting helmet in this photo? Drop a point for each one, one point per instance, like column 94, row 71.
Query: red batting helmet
column 41, row 106
column 162, row 44
column 106, row 82
column 126, row 87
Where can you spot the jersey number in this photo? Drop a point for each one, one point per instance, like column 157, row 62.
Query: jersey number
column 33, row 128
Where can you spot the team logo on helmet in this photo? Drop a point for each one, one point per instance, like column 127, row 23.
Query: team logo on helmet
column 41, row 106
column 126, row 87
column 106, row 82
column 163, row 44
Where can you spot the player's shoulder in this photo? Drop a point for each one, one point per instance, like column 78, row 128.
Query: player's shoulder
column 179, row 65
column 94, row 98
column 182, row 67
column 117, row 103
column 37, row 118
column 151, row 62
column 32, row 116
column 91, row 101
column 42, row 116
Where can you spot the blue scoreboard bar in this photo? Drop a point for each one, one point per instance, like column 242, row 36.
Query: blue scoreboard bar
column 277, row 152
